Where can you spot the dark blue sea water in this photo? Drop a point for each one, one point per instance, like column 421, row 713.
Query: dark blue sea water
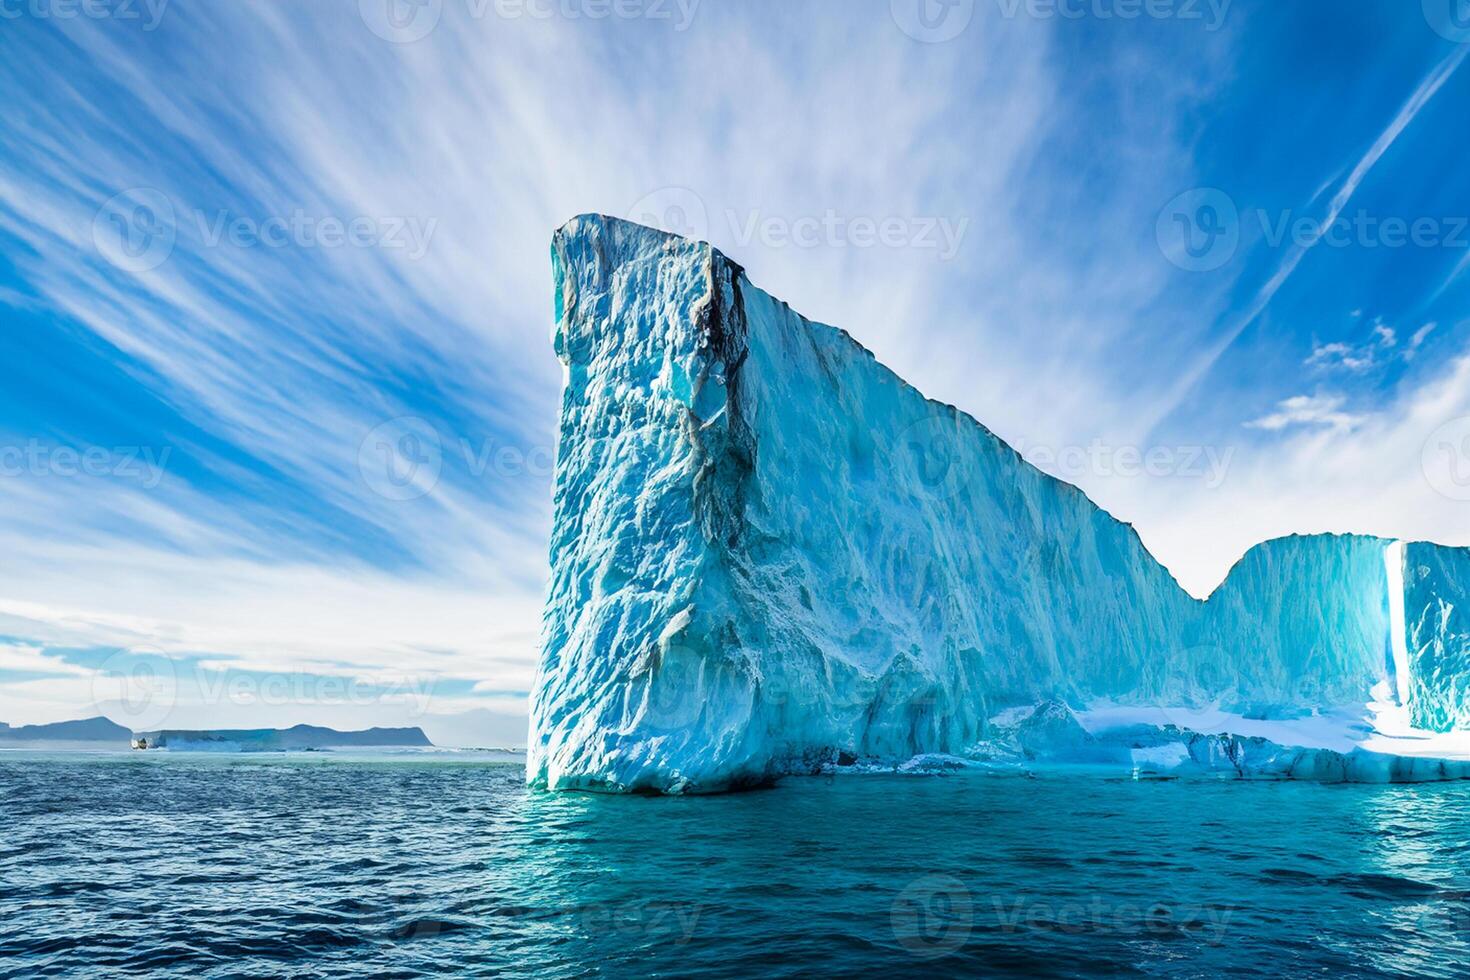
column 296, row 866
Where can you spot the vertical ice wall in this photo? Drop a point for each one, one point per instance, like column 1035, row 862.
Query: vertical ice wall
column 1436, row 637
column 637, row 675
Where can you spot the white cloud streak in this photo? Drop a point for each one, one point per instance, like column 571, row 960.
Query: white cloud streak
column 1052, row 323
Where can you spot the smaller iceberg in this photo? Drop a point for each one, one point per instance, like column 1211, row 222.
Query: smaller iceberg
column 297, row 739
column 1052, row 736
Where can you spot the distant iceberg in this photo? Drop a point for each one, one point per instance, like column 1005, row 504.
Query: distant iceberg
column 772, row 556
column 300, row 737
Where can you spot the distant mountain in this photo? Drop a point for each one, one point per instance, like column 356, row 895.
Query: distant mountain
column 284, row 739
column 86, row 730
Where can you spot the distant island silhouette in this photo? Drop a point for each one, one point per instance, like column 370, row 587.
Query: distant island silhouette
column 105, row 731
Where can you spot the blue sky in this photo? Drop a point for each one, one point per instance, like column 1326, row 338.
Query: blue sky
column 278, row 433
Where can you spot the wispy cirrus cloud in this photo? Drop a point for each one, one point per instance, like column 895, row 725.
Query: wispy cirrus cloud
column 308, row 261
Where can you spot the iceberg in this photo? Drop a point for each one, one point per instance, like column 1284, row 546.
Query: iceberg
column 770, row 555
column 296, row 738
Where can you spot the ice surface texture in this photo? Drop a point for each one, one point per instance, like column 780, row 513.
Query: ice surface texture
column 1437, row 635
column 770, row 553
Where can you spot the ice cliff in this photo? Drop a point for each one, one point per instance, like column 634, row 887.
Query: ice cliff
column 770, row 554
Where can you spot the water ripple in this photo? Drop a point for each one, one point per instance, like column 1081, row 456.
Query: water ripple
column 193, row 867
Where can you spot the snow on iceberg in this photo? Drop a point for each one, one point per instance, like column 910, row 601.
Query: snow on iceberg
column 770, row 555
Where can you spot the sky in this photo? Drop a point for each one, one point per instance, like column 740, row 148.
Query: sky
column 277, row 436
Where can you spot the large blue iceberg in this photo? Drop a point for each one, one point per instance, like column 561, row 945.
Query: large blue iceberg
column 772, row 555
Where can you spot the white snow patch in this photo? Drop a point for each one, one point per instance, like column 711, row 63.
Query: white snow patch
column 1011, row 717
column 1161, row 758
column 1340, row 730
column 1381, row 725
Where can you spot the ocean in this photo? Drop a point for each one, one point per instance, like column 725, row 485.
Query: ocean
column 330, row 864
